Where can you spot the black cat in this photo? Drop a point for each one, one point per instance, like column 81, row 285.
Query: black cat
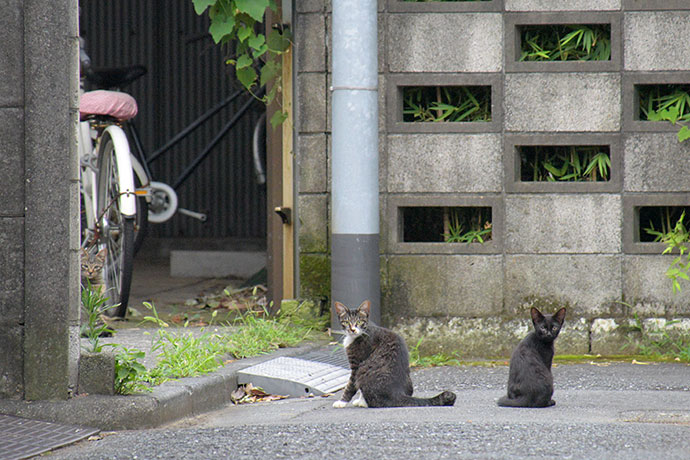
column 380, row 364
column 530, row 383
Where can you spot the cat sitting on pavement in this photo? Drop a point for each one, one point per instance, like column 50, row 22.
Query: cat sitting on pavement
column 530, row 383
column 380, row 364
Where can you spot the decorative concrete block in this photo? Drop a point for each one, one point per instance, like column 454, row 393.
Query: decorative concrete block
column 647, row 289
column 310, row 39
column 12, row 269
column 311, row 102
column 444, row 163
column 313, row 223
column 563, row 5
column 562, row 102
column 312, row 162
column 574, row 337
column 12, row 69
column 656, row 162
column 660, row 328
column 656, row 40
column 420, row 42
column 483, row 337
column 588, row 286
column 563, row 223
column 436, row 285
column 614, row 336
column 97, row 373
column 11, row 162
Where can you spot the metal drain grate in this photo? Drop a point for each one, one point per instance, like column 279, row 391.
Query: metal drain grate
column 316, row 372
column 23, row 438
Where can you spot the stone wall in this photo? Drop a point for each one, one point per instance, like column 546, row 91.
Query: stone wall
column 553, row 244
column 39, row 242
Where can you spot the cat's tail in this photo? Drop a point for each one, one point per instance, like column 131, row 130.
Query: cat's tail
column 447, row 398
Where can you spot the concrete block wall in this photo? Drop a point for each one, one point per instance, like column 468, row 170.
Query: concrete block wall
column 569, row 244
column 39, row 207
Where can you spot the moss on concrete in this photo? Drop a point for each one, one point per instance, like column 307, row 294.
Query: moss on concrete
column 315, row 276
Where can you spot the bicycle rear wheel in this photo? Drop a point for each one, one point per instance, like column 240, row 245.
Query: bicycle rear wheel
column 116, row 231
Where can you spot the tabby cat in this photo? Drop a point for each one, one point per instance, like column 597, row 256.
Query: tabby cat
column 92, row 275
column 92, row 269
column 530, row 383
column 380, row 364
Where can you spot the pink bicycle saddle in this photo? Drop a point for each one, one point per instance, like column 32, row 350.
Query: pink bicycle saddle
column 114, row 104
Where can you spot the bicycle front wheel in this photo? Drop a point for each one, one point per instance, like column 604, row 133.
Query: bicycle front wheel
column 116, row 230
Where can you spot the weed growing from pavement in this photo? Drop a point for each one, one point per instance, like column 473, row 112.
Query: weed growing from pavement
column 258, row 333
column 663, row 341
column 438, row 359
column 94, row 304
column 189, row 354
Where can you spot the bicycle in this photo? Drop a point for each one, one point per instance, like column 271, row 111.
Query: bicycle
column 107, row 190
column 155, row 201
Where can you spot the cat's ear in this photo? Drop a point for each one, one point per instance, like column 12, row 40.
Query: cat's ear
column 365, row 307
column 102, row 253
column 340, row 309
column 84, row 252
column 560, row 316
column 537, row 317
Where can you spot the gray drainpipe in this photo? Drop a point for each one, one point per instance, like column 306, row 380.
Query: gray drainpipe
column 355, row 162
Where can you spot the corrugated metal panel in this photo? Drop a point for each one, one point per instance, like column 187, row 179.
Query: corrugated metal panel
column 186, row 76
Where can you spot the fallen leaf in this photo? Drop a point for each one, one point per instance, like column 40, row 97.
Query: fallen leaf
column 246, row 394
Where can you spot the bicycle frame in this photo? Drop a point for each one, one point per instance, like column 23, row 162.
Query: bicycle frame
column 88, row 156
column 185, row 132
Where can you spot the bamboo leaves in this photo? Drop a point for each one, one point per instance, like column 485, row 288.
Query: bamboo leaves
column 447, row 103
column 564, row 163
column 588, row 42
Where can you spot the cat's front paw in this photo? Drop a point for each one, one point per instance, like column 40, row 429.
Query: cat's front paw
column 339, row 404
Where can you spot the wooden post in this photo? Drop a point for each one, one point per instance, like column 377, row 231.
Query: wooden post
column 288, row 184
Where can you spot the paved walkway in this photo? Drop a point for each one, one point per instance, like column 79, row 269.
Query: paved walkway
column 616, row 411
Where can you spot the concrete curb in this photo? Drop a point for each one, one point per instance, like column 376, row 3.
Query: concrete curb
column 167, row 403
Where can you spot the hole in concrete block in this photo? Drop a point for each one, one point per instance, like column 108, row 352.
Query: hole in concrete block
column 563, row 42
column 446, row 104
column 444, row 224
column 564, row 163
column 655, row 221
column 653, row 99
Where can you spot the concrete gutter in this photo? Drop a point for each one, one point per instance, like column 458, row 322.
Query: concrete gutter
column 167, row 403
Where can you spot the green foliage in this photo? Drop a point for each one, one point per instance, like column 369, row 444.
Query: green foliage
column 130, row 374
column 662, row 341
column 677, row 241
column 667, row 103
column 438, row 359
column 446, row 103
column 257, row 333
column 564, row 163
column 306, row 314
column 476, row 220
column 94, row 304
column 236, row 24
column 587, row 42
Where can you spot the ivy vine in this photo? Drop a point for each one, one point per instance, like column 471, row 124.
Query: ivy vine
column 255, row 56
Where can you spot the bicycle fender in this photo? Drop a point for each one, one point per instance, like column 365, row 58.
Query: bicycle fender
column 124, row 168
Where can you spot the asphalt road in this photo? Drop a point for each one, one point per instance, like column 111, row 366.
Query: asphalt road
column 616, row 411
